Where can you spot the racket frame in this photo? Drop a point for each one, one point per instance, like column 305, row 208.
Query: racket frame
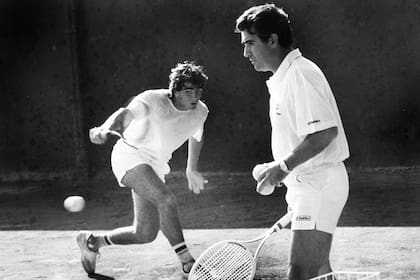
column 279, row 225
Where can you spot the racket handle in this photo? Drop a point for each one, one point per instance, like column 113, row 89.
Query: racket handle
column 113, row 132
column 119, row 135
column 283, row 221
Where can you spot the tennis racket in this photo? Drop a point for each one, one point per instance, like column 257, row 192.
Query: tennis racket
column 231, row 259
column 119, row 135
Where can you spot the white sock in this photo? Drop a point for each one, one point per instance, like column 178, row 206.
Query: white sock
column 183, row 253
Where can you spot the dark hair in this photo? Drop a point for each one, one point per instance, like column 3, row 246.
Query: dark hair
column 265, row 20
column 186, row 71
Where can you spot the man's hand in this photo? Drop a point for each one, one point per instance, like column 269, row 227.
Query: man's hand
column 270, row 178
column 97, row 135
column 195, row 181
column 275, row 173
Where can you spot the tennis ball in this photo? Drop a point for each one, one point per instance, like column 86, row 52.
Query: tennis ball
column 265, row 189
column 258, row 170
column 74, row 203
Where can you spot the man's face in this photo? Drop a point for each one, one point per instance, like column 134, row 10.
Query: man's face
column 258, row 52
column 187, row 98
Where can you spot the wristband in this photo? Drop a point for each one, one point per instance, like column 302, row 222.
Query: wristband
column 283, row 166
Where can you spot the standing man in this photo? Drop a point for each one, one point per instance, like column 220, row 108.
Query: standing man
column 154, row 124
column 308, row 140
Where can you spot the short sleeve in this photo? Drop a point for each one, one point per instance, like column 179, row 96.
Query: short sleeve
column 313, row 111
column 204, row 111
column 140, row 104
column 198, row 135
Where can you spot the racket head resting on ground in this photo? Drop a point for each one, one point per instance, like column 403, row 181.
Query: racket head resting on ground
column 231, row 259
column 227, row 259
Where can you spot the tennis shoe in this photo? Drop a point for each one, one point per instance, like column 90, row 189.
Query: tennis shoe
column 89, row 255
column 186, row 268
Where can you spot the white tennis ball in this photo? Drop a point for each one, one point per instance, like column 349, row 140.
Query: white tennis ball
column 265, row 189
column 74, row 203
column 258, row 170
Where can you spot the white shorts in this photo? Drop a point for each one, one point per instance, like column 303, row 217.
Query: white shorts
column 124, row 158
column 318, row 198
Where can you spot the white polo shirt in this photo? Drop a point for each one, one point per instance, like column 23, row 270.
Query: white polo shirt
column 301, row 103
column 164, row 128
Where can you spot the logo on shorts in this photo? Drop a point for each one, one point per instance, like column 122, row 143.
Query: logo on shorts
column 313, row 122
column 301, row 218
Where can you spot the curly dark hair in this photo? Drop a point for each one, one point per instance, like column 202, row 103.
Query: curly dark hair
column 264, row 20
column 187, row 71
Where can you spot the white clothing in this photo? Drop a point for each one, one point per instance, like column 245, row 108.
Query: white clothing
column 301, row 103
column 317, row 199
column 158, row 129
column 122, row 161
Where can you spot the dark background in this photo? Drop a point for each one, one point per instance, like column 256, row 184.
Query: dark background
column 66, row 65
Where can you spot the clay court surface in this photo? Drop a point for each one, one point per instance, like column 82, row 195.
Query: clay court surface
column 379, row 229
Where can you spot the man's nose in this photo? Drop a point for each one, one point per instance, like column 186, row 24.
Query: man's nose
column 246, row 52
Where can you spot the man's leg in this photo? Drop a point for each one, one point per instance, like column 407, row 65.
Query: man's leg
column 147, row 185
column 309, row 254
column 144, row 229
column 145, row 225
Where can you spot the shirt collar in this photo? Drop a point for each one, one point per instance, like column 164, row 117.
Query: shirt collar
column 284, row 66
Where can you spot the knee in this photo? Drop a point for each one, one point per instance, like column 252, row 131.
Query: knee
column 299, row 271
column 325, row 268
column 295, row 272
column 144, row 235
column 167, row 200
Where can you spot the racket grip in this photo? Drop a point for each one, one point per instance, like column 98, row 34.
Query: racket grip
column 113, row 132
column 283, row 221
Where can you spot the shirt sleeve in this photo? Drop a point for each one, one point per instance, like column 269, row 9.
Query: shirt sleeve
column 140, row 104
column 198, row 135
column 313, row 111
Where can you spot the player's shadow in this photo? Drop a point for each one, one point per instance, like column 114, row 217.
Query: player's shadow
column 100, row 276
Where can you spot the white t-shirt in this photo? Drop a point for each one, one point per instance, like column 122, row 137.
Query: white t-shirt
column 159, row 128
column 301, row 103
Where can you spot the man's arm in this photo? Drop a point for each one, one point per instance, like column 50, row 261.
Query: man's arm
column 118, row 121
column 195, row 180
column 194, row 150
column 311, row 146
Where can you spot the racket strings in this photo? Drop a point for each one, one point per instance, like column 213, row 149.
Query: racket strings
column 228, row 261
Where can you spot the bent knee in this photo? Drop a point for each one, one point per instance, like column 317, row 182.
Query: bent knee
column 144, row 236
column 167, row 199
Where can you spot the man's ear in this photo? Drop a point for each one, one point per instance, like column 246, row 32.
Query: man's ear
column 273, row 41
